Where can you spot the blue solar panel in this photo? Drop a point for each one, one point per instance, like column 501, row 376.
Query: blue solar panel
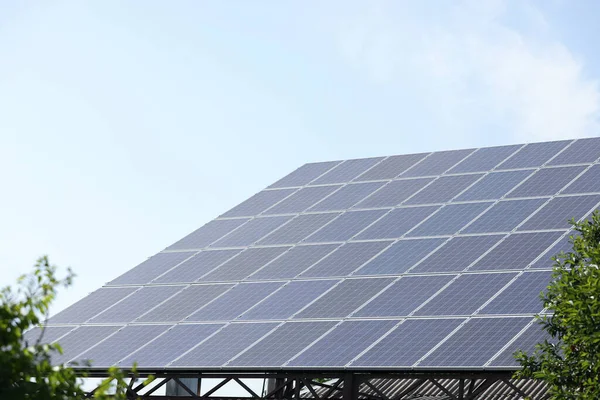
column 207, row 234
column 302, row 199
column 494, row 185
column 404, row 296
column 547, row 181
column 437, row 163
column 343, row 299
column 391, row 167
column 466, row 294
column 563, row 245
column 394, row 193
column 557, row 213
column 151, row 268
column 443, row 189
column 526, row 342
column 137, row 304
column 258, row 203
column 475, row 342
column 522, row 296
column 49, row 334
column 405, row 345
column 341, row 345
column 288, row 300
column 517, row 251
column 80, row 340
column 347, row 196
column 346, row 226
column 457, row 254
column 504, row 216
column 122, row 343
column 582, row 151
column 400, row 257
column 251, row 232
column 244, row 264
column 534, row 155
column 305, row 174
column 397, row 223
column 346, row 259
column 589, row 182
column 170, row 345
column 294, row 262
column 484, row 159
column 281, row 345
column 347, row 170
column 449, row 220
column 192, row 269
column 298, row 228
column 91, row 305
column 184, row 303
column 224, row 345
column 235, row 302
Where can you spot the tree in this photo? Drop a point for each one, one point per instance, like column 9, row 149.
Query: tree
column 569, row 361
column 26, row 370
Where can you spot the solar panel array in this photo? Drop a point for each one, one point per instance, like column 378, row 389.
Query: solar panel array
column 431, row 260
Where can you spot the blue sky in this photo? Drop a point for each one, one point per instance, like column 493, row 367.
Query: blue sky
column 126, row 125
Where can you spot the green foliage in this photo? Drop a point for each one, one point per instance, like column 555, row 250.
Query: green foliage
column 570, row 361
column 26, row 371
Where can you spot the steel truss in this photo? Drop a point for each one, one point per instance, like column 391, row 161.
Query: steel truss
column 343, row 385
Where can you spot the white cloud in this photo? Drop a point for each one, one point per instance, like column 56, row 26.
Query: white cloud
column 477, row 66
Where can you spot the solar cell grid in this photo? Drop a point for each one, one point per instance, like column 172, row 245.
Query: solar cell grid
column 475, row 342
column 251, row 232
column 526, row 342
column 302, row 199
column 589, row 182
column 294, row 261
column 582, row 151
column 405, row 345
column 282, row 344
column 546, row 181
column 516, row 251
column 184, row 303
column 341, row 345
column 394, row 193
column 289, row 300
column 137, row 304
column 49, row 335
column 298, row 228
column 465, row 295
column 494, row 185
column 437, row 163
column 534, row 155
column 235, row 302
column 443, row 189
column 192, row 269
column 343, row 299
column 170, row 345
column 347, row 196
column 347, row 170
column 346, row 259
column 404, row 296
column 400, row 257
column 91, row 305
column 151, row 268
column 557, row 213
column 397, row 222
column 563, row 245
column 391, row 167
column 80, row 340
column 258, row 203
column 449, row 219
column 305, row 174
column 224, row 345
column 244, row 264
column 484, row 159
column 345, row 226
column 457, row 254
column 504, row 216
column 207, row 234
column 522, row 296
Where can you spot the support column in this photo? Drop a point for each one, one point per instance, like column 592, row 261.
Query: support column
column 350, row 389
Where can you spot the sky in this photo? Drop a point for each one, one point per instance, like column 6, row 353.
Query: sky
column 126, row 125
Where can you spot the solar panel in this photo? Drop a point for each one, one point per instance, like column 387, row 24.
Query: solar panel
column 422, row 261
column 526, row 341
column 563, row 245
column 46, row 335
